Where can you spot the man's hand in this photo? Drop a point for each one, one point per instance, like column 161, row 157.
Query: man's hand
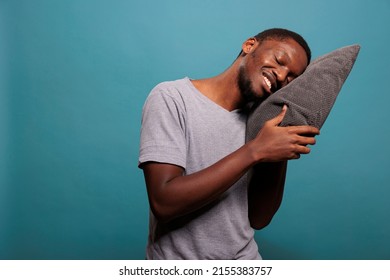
column 274, row 143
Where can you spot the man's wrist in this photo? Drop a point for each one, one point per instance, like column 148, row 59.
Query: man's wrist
column 253, row 154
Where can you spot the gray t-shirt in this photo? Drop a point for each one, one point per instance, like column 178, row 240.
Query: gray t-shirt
column 183, row 127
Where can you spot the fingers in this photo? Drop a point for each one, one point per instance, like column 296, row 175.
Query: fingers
column 279, row 118
column 298, row 151
column 302, row 150
column 303, row 140
column 301, row 130
column 304, row 130
column 300, row 142
column 283, row 143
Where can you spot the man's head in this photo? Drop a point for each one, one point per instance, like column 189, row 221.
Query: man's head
column 283, row 34
column 269, row 61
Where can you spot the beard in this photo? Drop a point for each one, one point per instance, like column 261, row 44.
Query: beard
column 246, row 89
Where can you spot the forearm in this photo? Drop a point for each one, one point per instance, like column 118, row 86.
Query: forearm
column 180, row 194
column 265, row 192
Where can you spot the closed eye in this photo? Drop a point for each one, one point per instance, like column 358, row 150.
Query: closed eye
column 278, row 61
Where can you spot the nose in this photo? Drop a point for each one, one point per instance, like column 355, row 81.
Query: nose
column 282, row 75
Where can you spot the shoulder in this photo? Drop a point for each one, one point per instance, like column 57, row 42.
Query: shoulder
column 172, row 89
column 171, row 93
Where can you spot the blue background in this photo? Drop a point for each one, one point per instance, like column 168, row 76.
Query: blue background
column 73, row 79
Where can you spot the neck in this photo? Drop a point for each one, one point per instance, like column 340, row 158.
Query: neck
column 223, row 88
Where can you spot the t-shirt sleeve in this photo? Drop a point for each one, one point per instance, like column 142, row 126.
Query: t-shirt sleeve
column 163, row 129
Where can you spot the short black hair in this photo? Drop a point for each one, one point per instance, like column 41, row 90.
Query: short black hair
column 283, row 34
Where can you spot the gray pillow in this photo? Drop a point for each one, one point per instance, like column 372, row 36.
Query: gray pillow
column 311, row 96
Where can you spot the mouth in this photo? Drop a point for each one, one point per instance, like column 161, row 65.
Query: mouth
column 267, row 82
column 270, row 82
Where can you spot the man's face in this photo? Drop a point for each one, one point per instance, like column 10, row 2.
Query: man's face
column 269, row 66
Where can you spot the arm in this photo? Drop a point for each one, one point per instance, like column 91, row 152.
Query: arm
column 172, row 195
column 265, row 192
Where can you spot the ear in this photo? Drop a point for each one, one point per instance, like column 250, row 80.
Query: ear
column 249, row 45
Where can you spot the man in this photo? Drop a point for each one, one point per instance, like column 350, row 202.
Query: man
column 195, row 159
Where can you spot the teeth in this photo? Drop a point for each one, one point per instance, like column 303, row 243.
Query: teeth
column 267, row 82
